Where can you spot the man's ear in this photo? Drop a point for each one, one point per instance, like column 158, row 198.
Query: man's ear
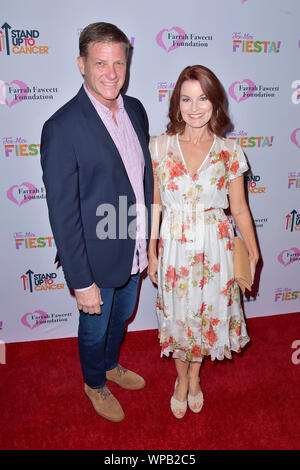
column 80, row 63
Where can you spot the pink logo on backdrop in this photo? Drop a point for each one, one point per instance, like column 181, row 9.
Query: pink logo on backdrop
column 20, row 194
column 34, row 319
column 287, row 257
column 17, row 93
column 240, row 91
column 175, row 34
column 294, row 137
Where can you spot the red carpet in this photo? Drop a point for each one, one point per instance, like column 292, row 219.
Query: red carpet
column 251, row 402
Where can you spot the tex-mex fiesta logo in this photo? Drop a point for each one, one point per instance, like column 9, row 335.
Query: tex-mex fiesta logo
column 296, row 94
column 294, row 180
column 32, row 240
column 165, row 90
column 20, row 41
column 245, row 42
column 285, row 294
column 19, row 147
column 241, row 137
column 40, row 282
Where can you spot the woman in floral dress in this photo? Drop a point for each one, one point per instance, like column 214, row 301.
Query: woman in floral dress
column 197, row 174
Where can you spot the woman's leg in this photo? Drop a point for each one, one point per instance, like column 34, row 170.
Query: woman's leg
column 194, row 377
column 195, row 395
column 183, row 379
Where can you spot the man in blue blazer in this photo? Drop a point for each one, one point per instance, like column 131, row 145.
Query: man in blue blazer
column 99, row 185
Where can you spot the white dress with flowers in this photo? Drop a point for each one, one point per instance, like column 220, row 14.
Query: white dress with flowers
column 198, row 300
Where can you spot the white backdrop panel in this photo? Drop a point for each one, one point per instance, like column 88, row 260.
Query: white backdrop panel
column 247, row 43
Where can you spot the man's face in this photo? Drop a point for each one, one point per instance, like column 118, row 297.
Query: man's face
column 104, row 71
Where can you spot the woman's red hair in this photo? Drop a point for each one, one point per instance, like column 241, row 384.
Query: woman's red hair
column 213, row 90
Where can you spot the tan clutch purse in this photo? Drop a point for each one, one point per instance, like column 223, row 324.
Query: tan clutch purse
column 242, row 272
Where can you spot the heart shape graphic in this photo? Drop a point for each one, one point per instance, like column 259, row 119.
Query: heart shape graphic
column 22, row 86
column 12, row 197
column 249, row 92
column 160, row 42
column 294, row 137
column 31, row 322
column 287, row 257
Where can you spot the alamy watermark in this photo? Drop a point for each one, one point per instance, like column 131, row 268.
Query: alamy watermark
column 130, row 220
column 296, row 354
column 2, row 352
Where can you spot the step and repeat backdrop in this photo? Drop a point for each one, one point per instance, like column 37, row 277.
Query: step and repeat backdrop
column 253, row 46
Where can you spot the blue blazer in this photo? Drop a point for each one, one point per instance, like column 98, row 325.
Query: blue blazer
column 83, row 169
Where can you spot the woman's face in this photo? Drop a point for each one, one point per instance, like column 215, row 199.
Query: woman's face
column 196, row 109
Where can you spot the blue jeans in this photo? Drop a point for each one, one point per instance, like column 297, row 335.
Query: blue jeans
column 100, row 336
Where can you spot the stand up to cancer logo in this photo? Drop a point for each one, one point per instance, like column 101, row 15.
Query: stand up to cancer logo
column 20, row 41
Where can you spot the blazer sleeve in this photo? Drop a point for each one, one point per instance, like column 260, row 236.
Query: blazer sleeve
column 61, row 180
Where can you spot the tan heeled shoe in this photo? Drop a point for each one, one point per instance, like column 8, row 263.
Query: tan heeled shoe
column 178, row 407
column 195, row 402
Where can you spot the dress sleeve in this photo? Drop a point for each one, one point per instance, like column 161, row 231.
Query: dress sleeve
column 238, row 162
column 155, row 153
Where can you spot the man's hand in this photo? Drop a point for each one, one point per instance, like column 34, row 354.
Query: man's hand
column 89, row 301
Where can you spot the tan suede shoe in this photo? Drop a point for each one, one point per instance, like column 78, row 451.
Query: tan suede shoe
column 125, row 378
column 104, row 403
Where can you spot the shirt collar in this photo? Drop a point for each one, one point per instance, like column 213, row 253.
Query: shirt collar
column 100, row 108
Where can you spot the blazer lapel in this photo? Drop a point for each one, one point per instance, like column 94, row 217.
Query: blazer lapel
column 98, row 128
column 137, row 125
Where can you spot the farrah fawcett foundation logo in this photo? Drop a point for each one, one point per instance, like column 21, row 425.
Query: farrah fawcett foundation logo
column 176, row 37
column 16, row 91
column 24, row 193
column 241, row 90
column 38, row 318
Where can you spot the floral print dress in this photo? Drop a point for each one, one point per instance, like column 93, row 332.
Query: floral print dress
column 198, row 300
